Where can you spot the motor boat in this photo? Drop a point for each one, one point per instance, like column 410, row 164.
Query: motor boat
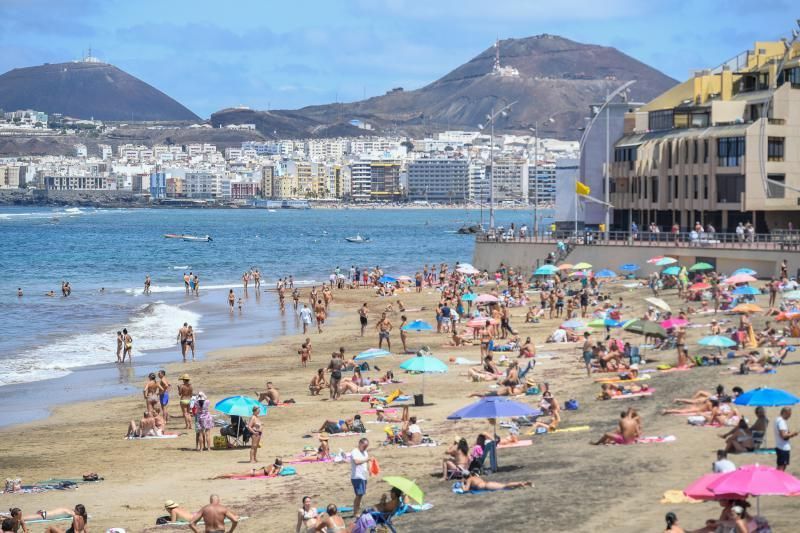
column 184, row 237
column 358, row 239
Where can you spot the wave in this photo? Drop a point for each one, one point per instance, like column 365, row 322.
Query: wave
column 152, row 326
column 156, row 289
column 68, row 212
column 185, row 267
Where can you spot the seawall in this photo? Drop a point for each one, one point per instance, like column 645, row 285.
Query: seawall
column 72, row 198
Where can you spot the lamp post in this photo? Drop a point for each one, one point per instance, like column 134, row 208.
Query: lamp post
column 535, row 130
column 490, row 118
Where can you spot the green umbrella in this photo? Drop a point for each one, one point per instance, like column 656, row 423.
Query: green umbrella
column 407, row 487
column 423, row 364
column 700, row 266
column 645, row 327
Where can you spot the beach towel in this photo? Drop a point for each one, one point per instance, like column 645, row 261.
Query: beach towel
column 39, row 488
column 286, row 471
column 648, row 392
column 620, row 380
column 154, row 437
column 389, row 411
column 572, row 429
column 675, row 369
column 655, row 439
column 463, row 361
column 458, row 490
column 346, row 434
column 674, row 496
column 518, row 444
column 184, row 523
column 420, row 445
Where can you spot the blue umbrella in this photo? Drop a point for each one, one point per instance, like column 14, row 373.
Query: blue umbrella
column 469, row 297
column 746, row 290
column 239, row 406
column 746, row 271
column 573, row 324
column 671, row 271
column 387, row 279
column 372, row 353
column 546, row 270
column 418, row 325
column 717, row 341
column 629, row 267
column 766, row 397
column 423, row 364
column 606, row 273
column 495, row 407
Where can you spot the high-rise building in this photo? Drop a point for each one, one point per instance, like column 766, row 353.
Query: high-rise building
column 510, row 180
column 385, row 181
column 478, row 182
column 716, row 149
column 542, row 184
column 439, row 179
column 158, row 185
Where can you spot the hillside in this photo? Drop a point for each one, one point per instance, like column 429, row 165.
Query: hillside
column 556, row 78
column 87, row 90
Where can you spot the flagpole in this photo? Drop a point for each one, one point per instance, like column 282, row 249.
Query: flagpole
column 576, row 207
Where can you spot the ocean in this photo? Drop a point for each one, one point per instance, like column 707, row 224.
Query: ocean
column 105, row 255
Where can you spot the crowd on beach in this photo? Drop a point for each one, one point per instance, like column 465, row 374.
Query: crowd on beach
column 474, row 312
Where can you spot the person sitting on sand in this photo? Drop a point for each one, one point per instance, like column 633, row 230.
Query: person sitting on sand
column 390, row 503
column 146, row 427
column 549, row 407
column 79, row 520
column 272, row 470
column 515, row 390
column 488, row 371
column 739, row 439
column 271, row 396
column 474, row 482
column 175, row 513
column 629, row 429
column 411, row 434
column 456, row 458
column 318, row 382
column 330, row 521
column 324, row 449
column 458, row 339
column 307, row 516
column 527, row 349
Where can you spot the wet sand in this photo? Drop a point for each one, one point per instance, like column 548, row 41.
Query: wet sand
column 578, row 487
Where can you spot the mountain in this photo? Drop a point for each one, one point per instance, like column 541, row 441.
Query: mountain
column 87, row 89
column 548, row 76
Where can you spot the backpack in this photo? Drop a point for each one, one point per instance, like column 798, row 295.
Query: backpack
column 571, row 405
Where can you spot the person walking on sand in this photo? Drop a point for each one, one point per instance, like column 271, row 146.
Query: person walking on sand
column 335, row 367
column 185, row 393
column 213, row 516
column 783, row 447
column 362, row 317
column 319, row 314
column 120, row 343
column 231, row 301
column 384, row 327
column 254, row 425
column 182, row 332
column 191, row 341
column 588, row 352
column 127, row 346
column 305, row 317
column 359, row 472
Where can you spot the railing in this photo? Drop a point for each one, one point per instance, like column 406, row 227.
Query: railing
column 776, row 240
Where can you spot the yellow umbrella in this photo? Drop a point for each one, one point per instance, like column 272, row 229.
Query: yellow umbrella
column 747, row 309
column 581, row 266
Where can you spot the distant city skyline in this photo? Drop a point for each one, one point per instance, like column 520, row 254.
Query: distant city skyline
column 209, row 55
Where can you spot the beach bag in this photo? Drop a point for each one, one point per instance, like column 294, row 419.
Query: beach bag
column 374, row 467
column 287, row 471
column 365, row 523
column 571, row 405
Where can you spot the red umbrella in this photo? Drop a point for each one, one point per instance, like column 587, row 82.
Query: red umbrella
column 480, row 322
column 700, row 286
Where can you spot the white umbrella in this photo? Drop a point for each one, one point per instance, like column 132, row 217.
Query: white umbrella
column 658, row 302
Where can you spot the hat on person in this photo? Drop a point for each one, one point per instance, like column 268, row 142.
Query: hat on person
column 379, row 408
column 169, row 504
column 201, row 395
column 323, row 436
column 185, row 377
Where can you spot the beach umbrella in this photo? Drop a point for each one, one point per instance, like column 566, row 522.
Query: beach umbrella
column 746, row 309
column 739, row 278
column 418, row 325
column 606, row 273
column 423, row 364
column 407, row 487
column 239, row 406
column 387, row 279
column 791, row 295
column 405, row 279
column 755, row 480
column 700, row 266
column 766, row 397
column 698, row 489
column 604, row 323
column 702, row 286
column 469, row 297
column 372, row 353
column 746, row 290
column 581, row 266
column 664, row 261
column 629, row 267
column 787, row 315
column 654, row 260
column 674, row 323
column 748, row 271
column 479, row 322
column 487, row 298
column 578, row 274
column 573, row 324
column 466, row 268
column 565, row 266
column 645, row 327
column 717, row 341
column 658, row 302
column 495, row 407
column 671, row 271
column 545, row 270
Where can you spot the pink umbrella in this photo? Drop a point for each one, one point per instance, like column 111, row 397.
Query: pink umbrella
column 739, row 278
column 480, row 322
column 699, row 487
column 656, row 259
column 674, row 323
column 700, row 286
column 755, row 480
column 486, row 298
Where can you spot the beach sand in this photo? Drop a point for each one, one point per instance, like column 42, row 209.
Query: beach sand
column 578, row 487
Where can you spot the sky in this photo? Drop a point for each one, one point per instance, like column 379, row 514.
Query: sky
column 266, row 54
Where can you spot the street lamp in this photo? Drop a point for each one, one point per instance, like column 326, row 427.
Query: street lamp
column 490, row 118
column 535, row 130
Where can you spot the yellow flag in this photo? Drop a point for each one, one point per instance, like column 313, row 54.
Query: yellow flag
column 580, row 188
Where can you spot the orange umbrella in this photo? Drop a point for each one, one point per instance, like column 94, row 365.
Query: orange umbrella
column 565, row 266
column 787, row 315
column 747, row 309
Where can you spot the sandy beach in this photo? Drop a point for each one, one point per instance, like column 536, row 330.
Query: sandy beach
column 578, row 487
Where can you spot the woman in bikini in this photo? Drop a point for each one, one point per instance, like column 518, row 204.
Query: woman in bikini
column 254, row 425
column 185, row 393
column 151, row 394
column 457, row 458
column 79, row 519
column 272, row 470
column 474, row 482
column 307, row 516
column 190, row 340
column 127, row 346
column 120, row 342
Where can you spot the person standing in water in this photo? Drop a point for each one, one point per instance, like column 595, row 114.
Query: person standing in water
column 186, row 279
column 190, row 340
column 120, row 343
column 182, row 332
column 231, row 300
column 127, row 346
column 147, row 283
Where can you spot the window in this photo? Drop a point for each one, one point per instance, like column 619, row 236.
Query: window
column 681, row 120
column 705, row 186
column 686, row 187
column 644, row 179
column 654, row 188
column 792, row 75
column 776, row 190
column 669, row 188
column 675, row 182
column 686, row 153
column 695, row 187
column 660, row 120
column 669, row 154
column 730, row 188
column 695, row 146
column 705, row 150
column 775, row 149
column 729, row 151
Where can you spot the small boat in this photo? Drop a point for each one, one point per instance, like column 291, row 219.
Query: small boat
column 357, row 239
column 270, row 210
column 470, row 229
column 184, row 237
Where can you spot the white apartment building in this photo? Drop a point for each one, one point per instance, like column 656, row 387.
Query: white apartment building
column 478, row 187
column 80, row 150
column 510, row 179
column 439, row 179
column 206, row 186
column 105, row 151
